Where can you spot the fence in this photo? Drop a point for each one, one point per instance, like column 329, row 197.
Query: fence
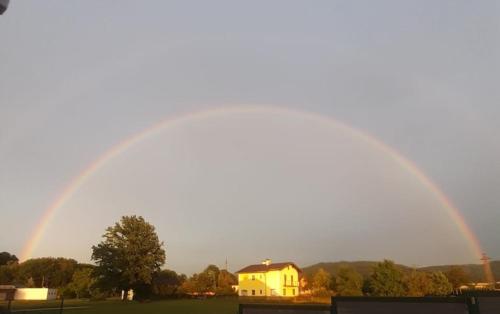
column 32, row 307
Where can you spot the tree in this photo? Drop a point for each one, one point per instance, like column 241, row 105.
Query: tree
column 440, row 286
column 418, row 284
column 129, row 255
column 211, row 277
column 7, row 258
column 225, row 283
column 387, row 280
column 321, row 283
column 348, row 282
column 457, row 276
column 9, row 274
column 166, row 283
column 47, row 271
column 82, row 282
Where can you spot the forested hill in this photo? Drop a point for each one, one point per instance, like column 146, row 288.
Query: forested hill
column 363, row 267
column 475, row 271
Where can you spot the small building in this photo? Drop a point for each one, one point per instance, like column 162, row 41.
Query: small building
column 7, row 292
column 269, row 280
column 35, row 294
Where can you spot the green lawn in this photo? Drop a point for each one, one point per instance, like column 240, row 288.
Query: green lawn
column 184, row 306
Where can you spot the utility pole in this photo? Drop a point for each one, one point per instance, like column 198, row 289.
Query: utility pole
column 488, row 274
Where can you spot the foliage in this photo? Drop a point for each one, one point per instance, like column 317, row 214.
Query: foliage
column 387, row 280
column 225, row 282
column 212, row 280
column 457, row 276
column 365, row 268
column 7, row 258
column 418, row 284
column 440, row 286
column 9, row 274
column 348, row 282
column 129, row 255
column 82, row 282
column 46, row 272
column 166, row 283
column 321, row 283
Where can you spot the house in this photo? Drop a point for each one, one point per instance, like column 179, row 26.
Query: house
column 269, row 280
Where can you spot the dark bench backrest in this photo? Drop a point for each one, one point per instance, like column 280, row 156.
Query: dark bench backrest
column 371, row 305
column 284, row 309
column 489, row 305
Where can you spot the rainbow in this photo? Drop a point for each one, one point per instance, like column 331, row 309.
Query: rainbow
column 181, row 118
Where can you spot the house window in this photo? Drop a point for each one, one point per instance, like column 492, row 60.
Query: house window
column 293, row 291
column 260, row 291
column 253, row 292
column 253, row 277
column 284, row 277
column 291, row 279
column 284, row 291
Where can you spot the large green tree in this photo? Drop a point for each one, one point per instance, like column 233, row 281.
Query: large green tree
column 387, row 280
column 128, row 257
column 348, row 282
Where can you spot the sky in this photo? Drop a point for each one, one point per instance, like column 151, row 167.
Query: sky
column 79, row 77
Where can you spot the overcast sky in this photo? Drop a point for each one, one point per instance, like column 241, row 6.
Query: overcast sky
column 77, row 77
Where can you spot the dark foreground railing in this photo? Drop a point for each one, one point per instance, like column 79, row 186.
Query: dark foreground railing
column 468, row 303
column 283, row 309
column 406, row 305
column 9, row 307
column 487, row 302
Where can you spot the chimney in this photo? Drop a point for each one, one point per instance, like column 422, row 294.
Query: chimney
column 266, row 262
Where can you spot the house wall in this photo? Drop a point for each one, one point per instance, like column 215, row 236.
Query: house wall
column 249, row 282
column 290, row 288
column 35, row 294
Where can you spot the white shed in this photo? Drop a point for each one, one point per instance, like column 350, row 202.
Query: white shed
column 35, row 294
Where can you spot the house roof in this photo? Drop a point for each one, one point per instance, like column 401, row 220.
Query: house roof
column 262, row 268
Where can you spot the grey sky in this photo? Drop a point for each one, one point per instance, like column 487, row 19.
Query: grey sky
column 77, row 77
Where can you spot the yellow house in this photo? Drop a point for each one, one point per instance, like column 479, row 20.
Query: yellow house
column 269, row 280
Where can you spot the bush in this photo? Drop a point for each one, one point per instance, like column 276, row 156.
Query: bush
column 97, row 295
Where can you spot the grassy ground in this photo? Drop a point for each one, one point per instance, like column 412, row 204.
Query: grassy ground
column 185, row 306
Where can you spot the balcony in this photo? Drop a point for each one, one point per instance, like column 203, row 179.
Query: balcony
column 289, row 283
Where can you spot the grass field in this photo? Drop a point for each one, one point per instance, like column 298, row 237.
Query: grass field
column 184, row 306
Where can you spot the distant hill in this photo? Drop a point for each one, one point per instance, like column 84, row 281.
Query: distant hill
column 475, row 271
column 363, row 267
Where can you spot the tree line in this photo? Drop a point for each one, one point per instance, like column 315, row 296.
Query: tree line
column 387, row 280
column 130, row 256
